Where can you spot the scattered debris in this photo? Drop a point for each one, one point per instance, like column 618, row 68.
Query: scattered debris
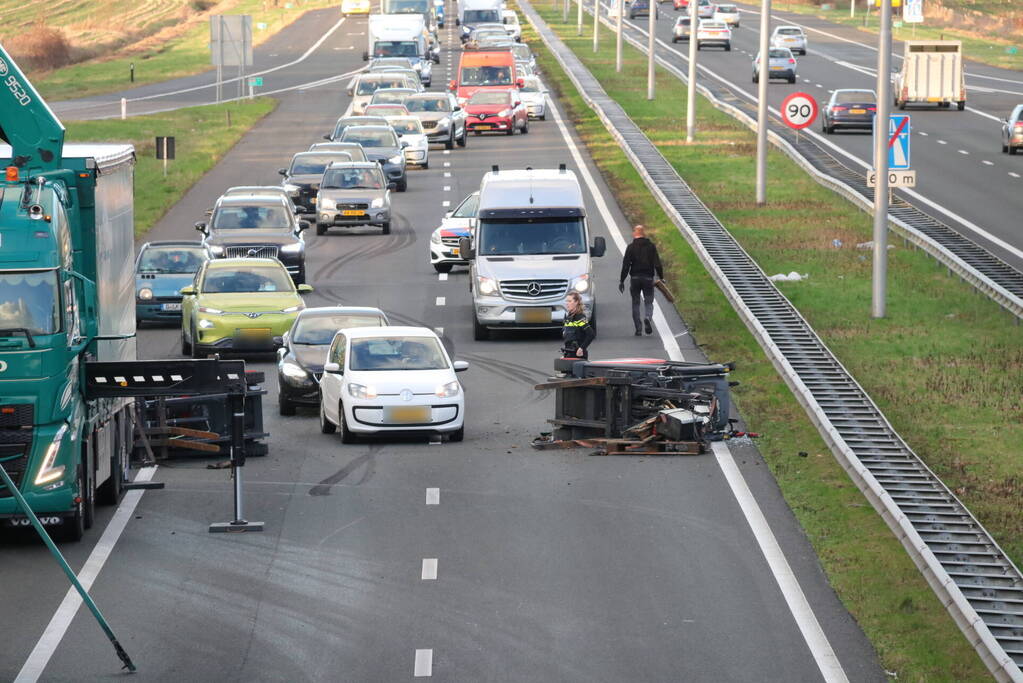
column 791, row 277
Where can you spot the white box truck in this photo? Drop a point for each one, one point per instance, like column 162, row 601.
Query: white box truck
column 528, row 250
column 473, row 12
column 932, row 73
column 402, row 35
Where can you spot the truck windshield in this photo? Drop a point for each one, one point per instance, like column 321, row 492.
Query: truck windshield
column 486, row 75
column 407, row 6
column 482, row 16
column 30, row 300
column 540, row 236
column 396, row 48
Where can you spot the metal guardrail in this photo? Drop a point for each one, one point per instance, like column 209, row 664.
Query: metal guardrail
column 972, row 576
column 976, row 265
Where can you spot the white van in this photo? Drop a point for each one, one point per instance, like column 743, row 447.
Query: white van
column 529, row 249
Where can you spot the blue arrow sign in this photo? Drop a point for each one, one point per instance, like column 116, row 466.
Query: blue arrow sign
column 898, row 141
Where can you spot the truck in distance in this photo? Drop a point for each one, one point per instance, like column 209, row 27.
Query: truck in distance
column 931, row 73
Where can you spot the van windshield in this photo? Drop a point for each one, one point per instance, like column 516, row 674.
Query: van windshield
column 534, row 236
column 481, row 16
column 486, row 75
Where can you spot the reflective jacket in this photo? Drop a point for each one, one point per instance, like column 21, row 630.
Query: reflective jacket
column 577, row 331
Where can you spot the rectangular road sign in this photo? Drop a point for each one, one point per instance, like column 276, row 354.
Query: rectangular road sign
column 898, row 141
column 913, row 12
column 905, row 178
column 256, row 82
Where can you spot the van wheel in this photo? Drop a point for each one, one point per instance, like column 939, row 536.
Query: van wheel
column 479, row 332
column 326, row 426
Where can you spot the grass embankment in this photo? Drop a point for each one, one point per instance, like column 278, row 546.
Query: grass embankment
column 185, row 53
column 946, row 366
column 203, row 135
column 995, row 50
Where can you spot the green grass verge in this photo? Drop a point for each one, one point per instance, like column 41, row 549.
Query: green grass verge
column 945, row 366
column 203, row 136
column 185, row 55
column 989, row 49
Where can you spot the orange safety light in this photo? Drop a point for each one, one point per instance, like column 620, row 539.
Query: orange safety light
column 12, row 173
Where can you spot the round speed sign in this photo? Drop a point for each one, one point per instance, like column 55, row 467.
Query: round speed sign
column 798, row 110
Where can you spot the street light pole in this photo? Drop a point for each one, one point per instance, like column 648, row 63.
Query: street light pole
column 762, row 78
column 651, row 44
column 691, row 94
column 618, row 37
column 596, row 25
column 884, row 82
column 579, row 20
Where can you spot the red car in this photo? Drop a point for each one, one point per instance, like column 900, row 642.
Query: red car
column 496, row 110
column 680, row 4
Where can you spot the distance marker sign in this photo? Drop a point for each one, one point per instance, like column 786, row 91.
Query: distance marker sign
column 798, row 110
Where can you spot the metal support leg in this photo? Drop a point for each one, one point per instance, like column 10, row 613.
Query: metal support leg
column 237, row 463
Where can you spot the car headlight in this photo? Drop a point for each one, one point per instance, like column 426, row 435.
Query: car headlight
column 206, row 324
column 293, row 309
column 326, row 203
column 582, row 283
column 216, row 249
column 435, row 237
column 447, row 390
column 377, row 203
column 145, row 293
column 486, row 285
column 47, row 471
column 444, row 122
column 210, row 310
column 292, row 190
column 361, row 391
column 396, row 159
column 292, row 248
column 295, row 372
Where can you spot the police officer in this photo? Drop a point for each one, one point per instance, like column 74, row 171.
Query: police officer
column 577, row 332
column 642, row 263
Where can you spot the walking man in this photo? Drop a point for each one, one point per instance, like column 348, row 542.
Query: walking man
column 642, row 263
column 577, row 333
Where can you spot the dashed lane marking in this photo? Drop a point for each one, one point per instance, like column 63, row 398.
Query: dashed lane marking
column 424, row 664
column 987, row 163
column 433, row 496
column 429, row 569
column 445, row 203
column 443, row 277
column 441, row 301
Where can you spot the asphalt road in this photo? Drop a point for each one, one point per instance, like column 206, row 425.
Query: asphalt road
column 551, row 566
column 963, row 178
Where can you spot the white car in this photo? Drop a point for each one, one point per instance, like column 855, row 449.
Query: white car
column 715, row 33
column 455, row 225
column 534, row 96
column 791, row 37
column 511, row 24
column 728, row 14
column 410, row 130
column 379, row 380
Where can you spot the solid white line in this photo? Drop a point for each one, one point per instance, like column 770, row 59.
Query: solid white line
column 433, row 496
column 441, row 301
column 62, row 618
column 429, row 569
column 797, row 603
column 424, row 664
column 443, row 277
column 447, row 164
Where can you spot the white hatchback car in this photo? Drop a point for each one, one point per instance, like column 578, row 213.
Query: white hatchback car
column 791, row 37
column 391, row 380
column 410, row 130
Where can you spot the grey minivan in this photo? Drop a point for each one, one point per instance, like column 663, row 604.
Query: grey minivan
column 354, row 193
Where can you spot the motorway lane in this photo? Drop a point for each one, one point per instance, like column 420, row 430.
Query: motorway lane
column 551, row 566
column 960, row 167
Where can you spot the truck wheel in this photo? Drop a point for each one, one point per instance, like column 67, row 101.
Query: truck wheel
column 961, row 105
column 284, row 406
column 458, row 435
column 326, row 426
column 442, row 267
column 450, row 142
column 479, row 332
column 87, row 492
column 74, row 526
column 347, row 436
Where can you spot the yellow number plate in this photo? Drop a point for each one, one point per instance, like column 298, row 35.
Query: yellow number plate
column 407, row 414
column 533, row 315
column 857, row 111
column 454, row 251
column 353, row 212
column 483, row 127
column 254, row 332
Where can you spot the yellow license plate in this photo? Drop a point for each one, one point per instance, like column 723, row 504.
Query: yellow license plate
column 254, row 332
column 312, row 199
column 407, row 414
column 857, row 111
column 934, row 99
column 483, row 126
column 533, row 315
column 353, row 212
column 776, row 68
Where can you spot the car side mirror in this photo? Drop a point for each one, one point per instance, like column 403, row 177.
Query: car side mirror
column 460, row 365
column 328, row 138
column 520, row 83
column 284, row 340
column 517, row 104
column 465, row 249
column 282, row 171
column 187, row 290
column 599, row 247
column 305, row 289
column 333, row 368
column 303, row 225
column 201, row 227
column 301, row 209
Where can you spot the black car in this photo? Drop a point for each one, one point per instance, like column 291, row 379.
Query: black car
column 263, row 227
column 382, row 145
column 300, row 360
column 849, row 109
column 346, row 121
column 641, row 8
column 302, row 177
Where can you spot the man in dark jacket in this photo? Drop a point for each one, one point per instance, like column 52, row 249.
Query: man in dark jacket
column 577, row 333
column 643, row 264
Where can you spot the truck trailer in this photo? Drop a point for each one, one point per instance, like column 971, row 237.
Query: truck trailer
column 932, row 73
column 401, row 35
column 66, row 297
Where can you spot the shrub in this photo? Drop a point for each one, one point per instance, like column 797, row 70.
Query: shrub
column 40, row 47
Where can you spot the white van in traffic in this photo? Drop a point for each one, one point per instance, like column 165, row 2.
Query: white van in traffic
column 529, row 249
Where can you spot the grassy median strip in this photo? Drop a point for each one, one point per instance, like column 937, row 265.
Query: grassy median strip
column 202, row 134
column 946, row 366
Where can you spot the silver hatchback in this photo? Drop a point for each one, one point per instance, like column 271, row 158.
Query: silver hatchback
column 780, row 64
column 353, row 193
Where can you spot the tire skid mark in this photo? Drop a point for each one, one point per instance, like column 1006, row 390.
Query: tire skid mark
column 368, row 459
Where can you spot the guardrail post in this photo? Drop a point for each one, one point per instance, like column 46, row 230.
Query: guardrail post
column 124, row 108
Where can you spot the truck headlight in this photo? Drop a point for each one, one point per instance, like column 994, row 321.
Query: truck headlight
column 361, row 391
column 292, row 190
column 145, row 293
column 292, row 248
column 486, row 285
column 295, row 372
column 47, row 471
column 377, row 203
column 396, row 159
column 326, row 203
column 447, row 390
column 582, row 283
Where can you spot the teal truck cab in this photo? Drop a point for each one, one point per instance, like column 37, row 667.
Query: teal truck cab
column 66, row 297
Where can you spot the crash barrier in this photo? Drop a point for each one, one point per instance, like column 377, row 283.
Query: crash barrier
column 975, row 264
column 972, row 576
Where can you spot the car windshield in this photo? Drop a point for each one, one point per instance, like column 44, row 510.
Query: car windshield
column 389, row 97
column 370, row 138
column 171, row 259
column 368, row 86
column 489, row 97
column 240, row 280
column 779, row 54
column 467, row 209
column 486, row 75
column 357, row 121
column 487, row 33
column 555, row 236
column 396, row 48
column 855, row 96
column 352, row 179
column 319, row 329
column 29, row 300
column 397, row 353
column 251, row 218
column 310, row 165
column 727, row 9
column 407, row 127
column 790, row 32
column 428, row 104
column 530, row 85
column 481, row 16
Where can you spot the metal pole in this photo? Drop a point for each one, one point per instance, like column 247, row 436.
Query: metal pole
column 124, row 108
column 564, row 12
column 164, row 156
column 765, row 27
column 618, row 36
column 852, row 9
column 884, row 81
column 691, row 94
column 596, row 25
column 651, row 43
column 579, row 20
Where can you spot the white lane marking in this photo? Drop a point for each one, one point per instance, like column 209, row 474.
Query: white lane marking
column 987, row 163
column 963, row 151
column 942, row 142
column 798, row 605
column 660, row 322
column 447, row 188
column 441, row 301
column 445, row 203
column 447, row 174
column 58, row 626
column 1013, row 174
column 429, row 569
column 443, row 277
column 433, row 496
column 447, row 151
column 424, row 664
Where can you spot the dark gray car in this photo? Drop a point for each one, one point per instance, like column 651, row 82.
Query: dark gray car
column 345, row 121
column 381, row 145
column 354, row 193
column 302, row 177
column 350, row 148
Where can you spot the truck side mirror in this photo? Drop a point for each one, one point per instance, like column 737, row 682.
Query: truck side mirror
column 599, row 247
column 88, row 301
column 465, row 249
column 201, row 227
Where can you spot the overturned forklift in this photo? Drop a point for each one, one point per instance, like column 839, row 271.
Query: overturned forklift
column 638, row 406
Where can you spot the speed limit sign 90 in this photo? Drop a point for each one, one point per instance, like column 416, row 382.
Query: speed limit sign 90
column 798, row 110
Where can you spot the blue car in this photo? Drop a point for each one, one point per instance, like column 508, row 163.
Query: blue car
column 161, row 270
